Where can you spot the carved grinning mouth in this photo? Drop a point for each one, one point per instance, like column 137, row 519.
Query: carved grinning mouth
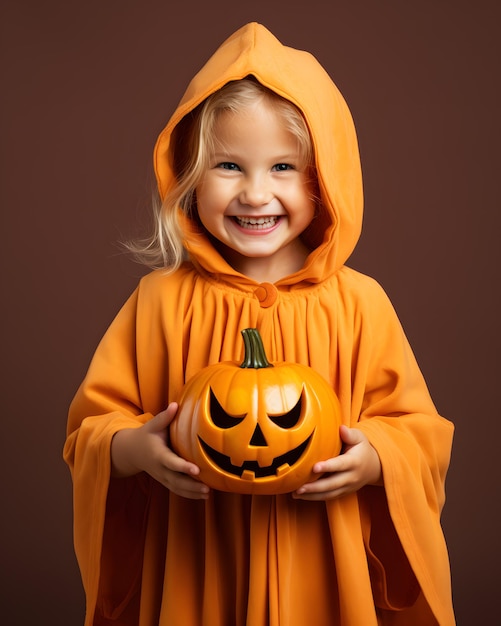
column 251, row 469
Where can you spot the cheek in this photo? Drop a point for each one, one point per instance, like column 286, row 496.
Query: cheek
column 307, row 215
column 212, row 200
column 304, row 210
column 207, row 207
column 300, row 202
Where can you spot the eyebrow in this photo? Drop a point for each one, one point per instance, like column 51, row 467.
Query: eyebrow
column 281, row 158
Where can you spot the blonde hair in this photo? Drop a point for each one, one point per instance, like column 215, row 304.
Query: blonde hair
column 191, row 149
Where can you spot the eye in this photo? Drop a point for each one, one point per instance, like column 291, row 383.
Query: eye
column 289, row 419
column 282, row 167
column 220, row 418
column 228, row 165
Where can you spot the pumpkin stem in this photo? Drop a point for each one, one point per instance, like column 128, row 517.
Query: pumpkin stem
column 255, row 356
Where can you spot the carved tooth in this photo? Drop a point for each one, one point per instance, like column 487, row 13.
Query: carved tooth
column 248, row 475
column 282, row 469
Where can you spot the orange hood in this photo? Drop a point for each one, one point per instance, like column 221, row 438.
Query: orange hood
column 297, row 76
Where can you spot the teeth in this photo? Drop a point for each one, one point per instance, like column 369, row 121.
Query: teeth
column 257, row 222
column 248, row 475
column 282, row 469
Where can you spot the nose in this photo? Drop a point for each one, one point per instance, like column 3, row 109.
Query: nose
column 255, row 191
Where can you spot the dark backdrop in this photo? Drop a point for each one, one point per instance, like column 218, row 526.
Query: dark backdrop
column 86, row 87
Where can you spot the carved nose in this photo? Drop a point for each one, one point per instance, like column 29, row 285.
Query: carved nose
column 257, row 438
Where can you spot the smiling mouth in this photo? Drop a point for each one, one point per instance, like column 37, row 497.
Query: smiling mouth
column 257, row 223
column 250, row 470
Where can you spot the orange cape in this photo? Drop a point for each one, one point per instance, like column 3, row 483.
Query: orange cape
column 151, row 558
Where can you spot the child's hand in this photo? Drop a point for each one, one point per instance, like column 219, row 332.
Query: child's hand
column 359, row 465
column 145, row 449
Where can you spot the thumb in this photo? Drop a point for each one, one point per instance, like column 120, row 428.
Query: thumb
column 351, row 436
column 162, row 420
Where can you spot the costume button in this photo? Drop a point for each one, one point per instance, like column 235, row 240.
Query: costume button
column 267, row 294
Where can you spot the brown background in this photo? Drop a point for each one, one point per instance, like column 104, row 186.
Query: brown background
column 86, row 87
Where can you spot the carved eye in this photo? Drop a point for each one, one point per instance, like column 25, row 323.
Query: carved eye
column 220, row 418
column 291, row 418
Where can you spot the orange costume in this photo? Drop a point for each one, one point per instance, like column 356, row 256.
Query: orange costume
column 149, row 557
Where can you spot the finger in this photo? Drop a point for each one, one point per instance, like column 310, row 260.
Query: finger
column 162, row 420
column 328, row 487
column 185, row 486
column 323, row 495
column 177, row 464
column 330, row 482
column 341, row 463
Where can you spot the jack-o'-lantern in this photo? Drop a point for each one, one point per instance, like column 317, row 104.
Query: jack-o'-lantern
column 256, row 427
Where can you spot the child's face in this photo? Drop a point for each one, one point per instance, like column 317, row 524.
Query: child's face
column 256, row 196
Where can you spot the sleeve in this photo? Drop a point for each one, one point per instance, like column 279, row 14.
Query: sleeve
column 404, row 540
column 107, row 401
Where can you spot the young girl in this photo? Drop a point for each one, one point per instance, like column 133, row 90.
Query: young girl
column 259, row 175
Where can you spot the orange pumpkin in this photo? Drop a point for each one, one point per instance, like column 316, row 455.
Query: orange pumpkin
column 256, row 427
